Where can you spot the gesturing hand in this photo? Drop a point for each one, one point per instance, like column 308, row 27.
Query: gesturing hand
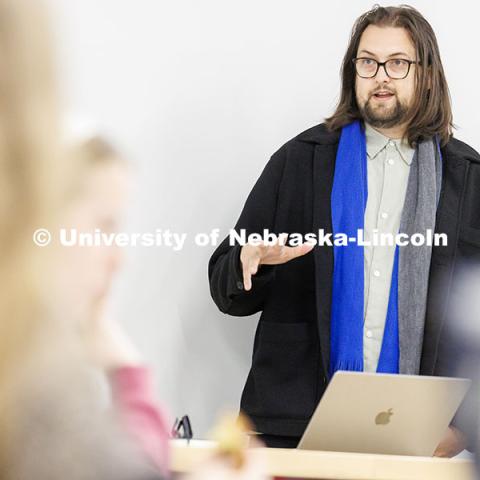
column 252, row 256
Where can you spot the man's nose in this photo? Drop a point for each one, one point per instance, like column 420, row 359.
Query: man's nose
column 382, row 76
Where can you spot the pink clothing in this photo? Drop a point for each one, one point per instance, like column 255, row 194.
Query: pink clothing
column 140, row 413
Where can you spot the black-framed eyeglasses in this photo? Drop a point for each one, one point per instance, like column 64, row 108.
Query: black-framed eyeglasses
column 395, row 68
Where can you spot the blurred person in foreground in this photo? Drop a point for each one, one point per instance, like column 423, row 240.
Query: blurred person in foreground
column 53, row 422
column 96, row 203
column 98, row 200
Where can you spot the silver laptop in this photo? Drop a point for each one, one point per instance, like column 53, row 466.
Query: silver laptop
column 384, row 413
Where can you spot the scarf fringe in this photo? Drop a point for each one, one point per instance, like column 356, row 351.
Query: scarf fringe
column 348, row 366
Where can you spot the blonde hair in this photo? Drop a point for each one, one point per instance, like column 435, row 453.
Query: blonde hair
column 31, row 181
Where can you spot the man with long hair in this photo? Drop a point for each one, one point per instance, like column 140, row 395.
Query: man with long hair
column 384, row 163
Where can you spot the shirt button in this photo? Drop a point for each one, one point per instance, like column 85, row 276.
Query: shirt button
column 369, row 334
column 240, row 285
column 390, row 161
column 384, row 215
column 376, row 273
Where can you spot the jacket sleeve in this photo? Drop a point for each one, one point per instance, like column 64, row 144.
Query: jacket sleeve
column 224, row 268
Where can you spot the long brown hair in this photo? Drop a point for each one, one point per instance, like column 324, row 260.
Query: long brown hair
column 430, row 113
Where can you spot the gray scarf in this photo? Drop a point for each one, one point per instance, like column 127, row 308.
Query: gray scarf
column 418, row 216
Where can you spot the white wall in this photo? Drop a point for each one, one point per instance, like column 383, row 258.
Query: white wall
column 200, row 94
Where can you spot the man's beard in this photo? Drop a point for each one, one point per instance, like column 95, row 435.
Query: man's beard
column 381, row 116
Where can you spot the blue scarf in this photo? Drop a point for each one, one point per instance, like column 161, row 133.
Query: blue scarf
column 348, row 202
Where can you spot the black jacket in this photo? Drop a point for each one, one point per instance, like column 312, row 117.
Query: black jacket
column 290, row 360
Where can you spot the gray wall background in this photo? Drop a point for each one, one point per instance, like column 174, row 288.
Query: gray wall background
column 199, row 95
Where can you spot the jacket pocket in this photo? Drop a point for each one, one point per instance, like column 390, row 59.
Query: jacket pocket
column 283, row 381
column 272, row 332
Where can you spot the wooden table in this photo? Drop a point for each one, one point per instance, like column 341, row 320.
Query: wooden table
column 293, row 463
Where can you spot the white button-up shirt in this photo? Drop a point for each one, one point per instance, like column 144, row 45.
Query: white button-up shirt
column 388, row 166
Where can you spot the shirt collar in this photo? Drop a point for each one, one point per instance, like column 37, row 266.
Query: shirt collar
column 376, row 142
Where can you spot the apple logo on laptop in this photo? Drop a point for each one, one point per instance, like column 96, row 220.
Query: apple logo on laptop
column 383, row 418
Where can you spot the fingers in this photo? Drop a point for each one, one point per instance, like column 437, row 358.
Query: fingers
column 289, row 253
column 252, row 257
column 282, row 239
column 452, row 444
column 279, row 255
column 302, row 249
column 438, row 453
column 249, row 268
